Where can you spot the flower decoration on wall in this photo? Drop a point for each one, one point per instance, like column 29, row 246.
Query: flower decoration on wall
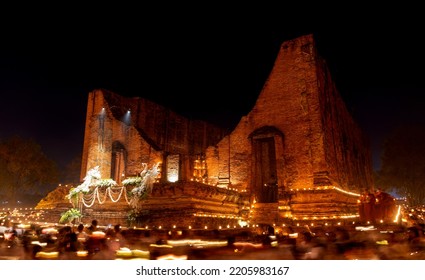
column 105, row 183
column 91, row 178
column 132, row 181
column 144, row 185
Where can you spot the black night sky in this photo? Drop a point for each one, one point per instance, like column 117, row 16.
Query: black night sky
column 208, row 66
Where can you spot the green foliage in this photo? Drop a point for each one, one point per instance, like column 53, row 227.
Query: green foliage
column 73, row 196
column 105, row 183
column 69, row 216
column 132, row 181
column 24, row 167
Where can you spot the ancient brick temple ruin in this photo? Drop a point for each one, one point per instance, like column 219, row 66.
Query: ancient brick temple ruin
column 297, row 157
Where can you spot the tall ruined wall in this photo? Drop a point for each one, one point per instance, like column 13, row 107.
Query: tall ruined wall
column 347, row 151
column 106, row 126
column 296, row 153
column 145, row 130
column 299, row 102
column 289, row 103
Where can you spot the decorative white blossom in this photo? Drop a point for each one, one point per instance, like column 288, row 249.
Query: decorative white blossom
column 147, row 178
column 140, row 192
column 92, row 175
column 132, row 181
column 105, row 183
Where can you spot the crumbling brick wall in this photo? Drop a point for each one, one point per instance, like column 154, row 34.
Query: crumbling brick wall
column 320, row 144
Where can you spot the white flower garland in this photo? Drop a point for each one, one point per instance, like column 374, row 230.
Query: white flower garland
column 147, row 178
column 92, row 174
column 114, row 194
column 132, row 181
column 105, row 183
column 143, row 184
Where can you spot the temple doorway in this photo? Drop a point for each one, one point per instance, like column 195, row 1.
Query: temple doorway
column 265, row 180
column 118, row 162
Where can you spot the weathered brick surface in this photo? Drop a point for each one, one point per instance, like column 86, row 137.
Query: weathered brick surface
column 298, row 131
column 151, row 133
column 321, row 144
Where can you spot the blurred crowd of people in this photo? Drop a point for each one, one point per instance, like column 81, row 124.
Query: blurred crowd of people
column 71, row 242
column 375, row 236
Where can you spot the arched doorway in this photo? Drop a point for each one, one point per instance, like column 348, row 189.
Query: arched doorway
column 265, row 179
column 118, row 160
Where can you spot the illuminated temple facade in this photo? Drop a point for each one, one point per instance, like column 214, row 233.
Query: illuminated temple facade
column 297, row 156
